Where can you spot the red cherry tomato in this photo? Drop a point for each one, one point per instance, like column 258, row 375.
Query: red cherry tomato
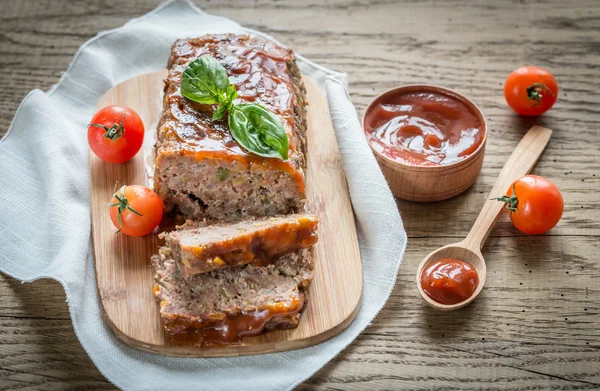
column 135, row 210
column 530, row 91
column 534, row 204
column 116, row 134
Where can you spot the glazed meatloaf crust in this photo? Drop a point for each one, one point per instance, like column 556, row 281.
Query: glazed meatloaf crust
column 200, row 170
column 254, row 241
column 227, row 304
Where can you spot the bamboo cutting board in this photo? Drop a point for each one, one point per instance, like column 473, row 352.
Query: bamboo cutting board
column 123, row 273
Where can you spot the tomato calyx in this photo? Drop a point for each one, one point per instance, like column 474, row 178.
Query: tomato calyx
column 113, row 132
column 122, row 204
column 510, row 203
column 534, row 92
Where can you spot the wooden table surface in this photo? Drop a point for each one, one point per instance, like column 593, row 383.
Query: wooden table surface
column 536, row 325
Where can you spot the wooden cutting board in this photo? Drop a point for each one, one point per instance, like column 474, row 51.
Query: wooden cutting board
column 123, row 272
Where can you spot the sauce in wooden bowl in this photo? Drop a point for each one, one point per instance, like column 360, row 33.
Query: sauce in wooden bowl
column 424, row 128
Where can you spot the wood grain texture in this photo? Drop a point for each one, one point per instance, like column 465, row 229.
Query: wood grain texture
column 123, row 272
column 534, row 327
column 520, row 163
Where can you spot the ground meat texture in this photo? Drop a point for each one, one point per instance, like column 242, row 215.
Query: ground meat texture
column 255, row 241
column 201, row 172
column 227, row 304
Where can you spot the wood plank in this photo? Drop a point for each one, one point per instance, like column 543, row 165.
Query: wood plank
column 542, row 298
column 405, row 53
column 44, row 354
column 125, row 279
column 464, row 45
column 412, row 346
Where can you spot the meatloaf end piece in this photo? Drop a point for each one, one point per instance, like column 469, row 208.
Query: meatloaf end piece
column 255, row 241
column 201, row 172
column 228, row 304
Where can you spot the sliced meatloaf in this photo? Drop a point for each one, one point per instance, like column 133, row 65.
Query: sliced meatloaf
column 200, row 170
column 256, row 241
column 227, row 304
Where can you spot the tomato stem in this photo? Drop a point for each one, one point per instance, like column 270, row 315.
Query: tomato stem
column 510, row 203
column 534, row 92
column 122, row 204
column 115, row 131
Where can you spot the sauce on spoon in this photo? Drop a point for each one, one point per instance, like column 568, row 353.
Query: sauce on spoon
column 449, row 280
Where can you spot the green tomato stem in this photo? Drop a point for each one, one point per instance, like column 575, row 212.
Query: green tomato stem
column 122, row 204
column 534, row 92
column 510, row 203
column 115, row 131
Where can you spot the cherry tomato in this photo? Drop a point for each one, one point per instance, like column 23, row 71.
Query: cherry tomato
column 534, row 204
column 116, row 134
column 530, row 91
column 135, row 210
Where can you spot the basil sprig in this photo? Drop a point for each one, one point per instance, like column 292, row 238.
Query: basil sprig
column 254, row 127
column 205, row 81
column 258, row 130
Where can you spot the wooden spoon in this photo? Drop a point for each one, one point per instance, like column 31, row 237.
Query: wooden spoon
column 520, row 163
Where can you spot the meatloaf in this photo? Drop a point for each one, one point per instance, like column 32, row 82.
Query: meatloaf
column 256, row 241
column 200, row 170
column 227, row 304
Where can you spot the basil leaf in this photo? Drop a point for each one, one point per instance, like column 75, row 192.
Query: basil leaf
column 230, row 96
column 255, row 128
column 231, row 93
column 205, row 80
column 258, row 130
column 219, row 113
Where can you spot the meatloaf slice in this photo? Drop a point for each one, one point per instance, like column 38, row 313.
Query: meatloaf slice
column 255, row 241
column 200, row 170
column 227, row 304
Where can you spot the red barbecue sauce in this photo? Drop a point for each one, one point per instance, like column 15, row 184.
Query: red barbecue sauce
column 449, row 280
column 231, row 329
column 423, row 128
column 259, row 70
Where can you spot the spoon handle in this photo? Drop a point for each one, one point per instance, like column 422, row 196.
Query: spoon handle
column 520, row 163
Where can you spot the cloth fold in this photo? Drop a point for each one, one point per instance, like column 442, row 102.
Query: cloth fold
column 45, row 216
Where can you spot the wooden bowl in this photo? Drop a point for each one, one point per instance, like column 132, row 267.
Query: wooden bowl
column 430, row 183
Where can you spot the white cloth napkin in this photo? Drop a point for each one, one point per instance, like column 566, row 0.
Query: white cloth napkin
column 45, row 215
